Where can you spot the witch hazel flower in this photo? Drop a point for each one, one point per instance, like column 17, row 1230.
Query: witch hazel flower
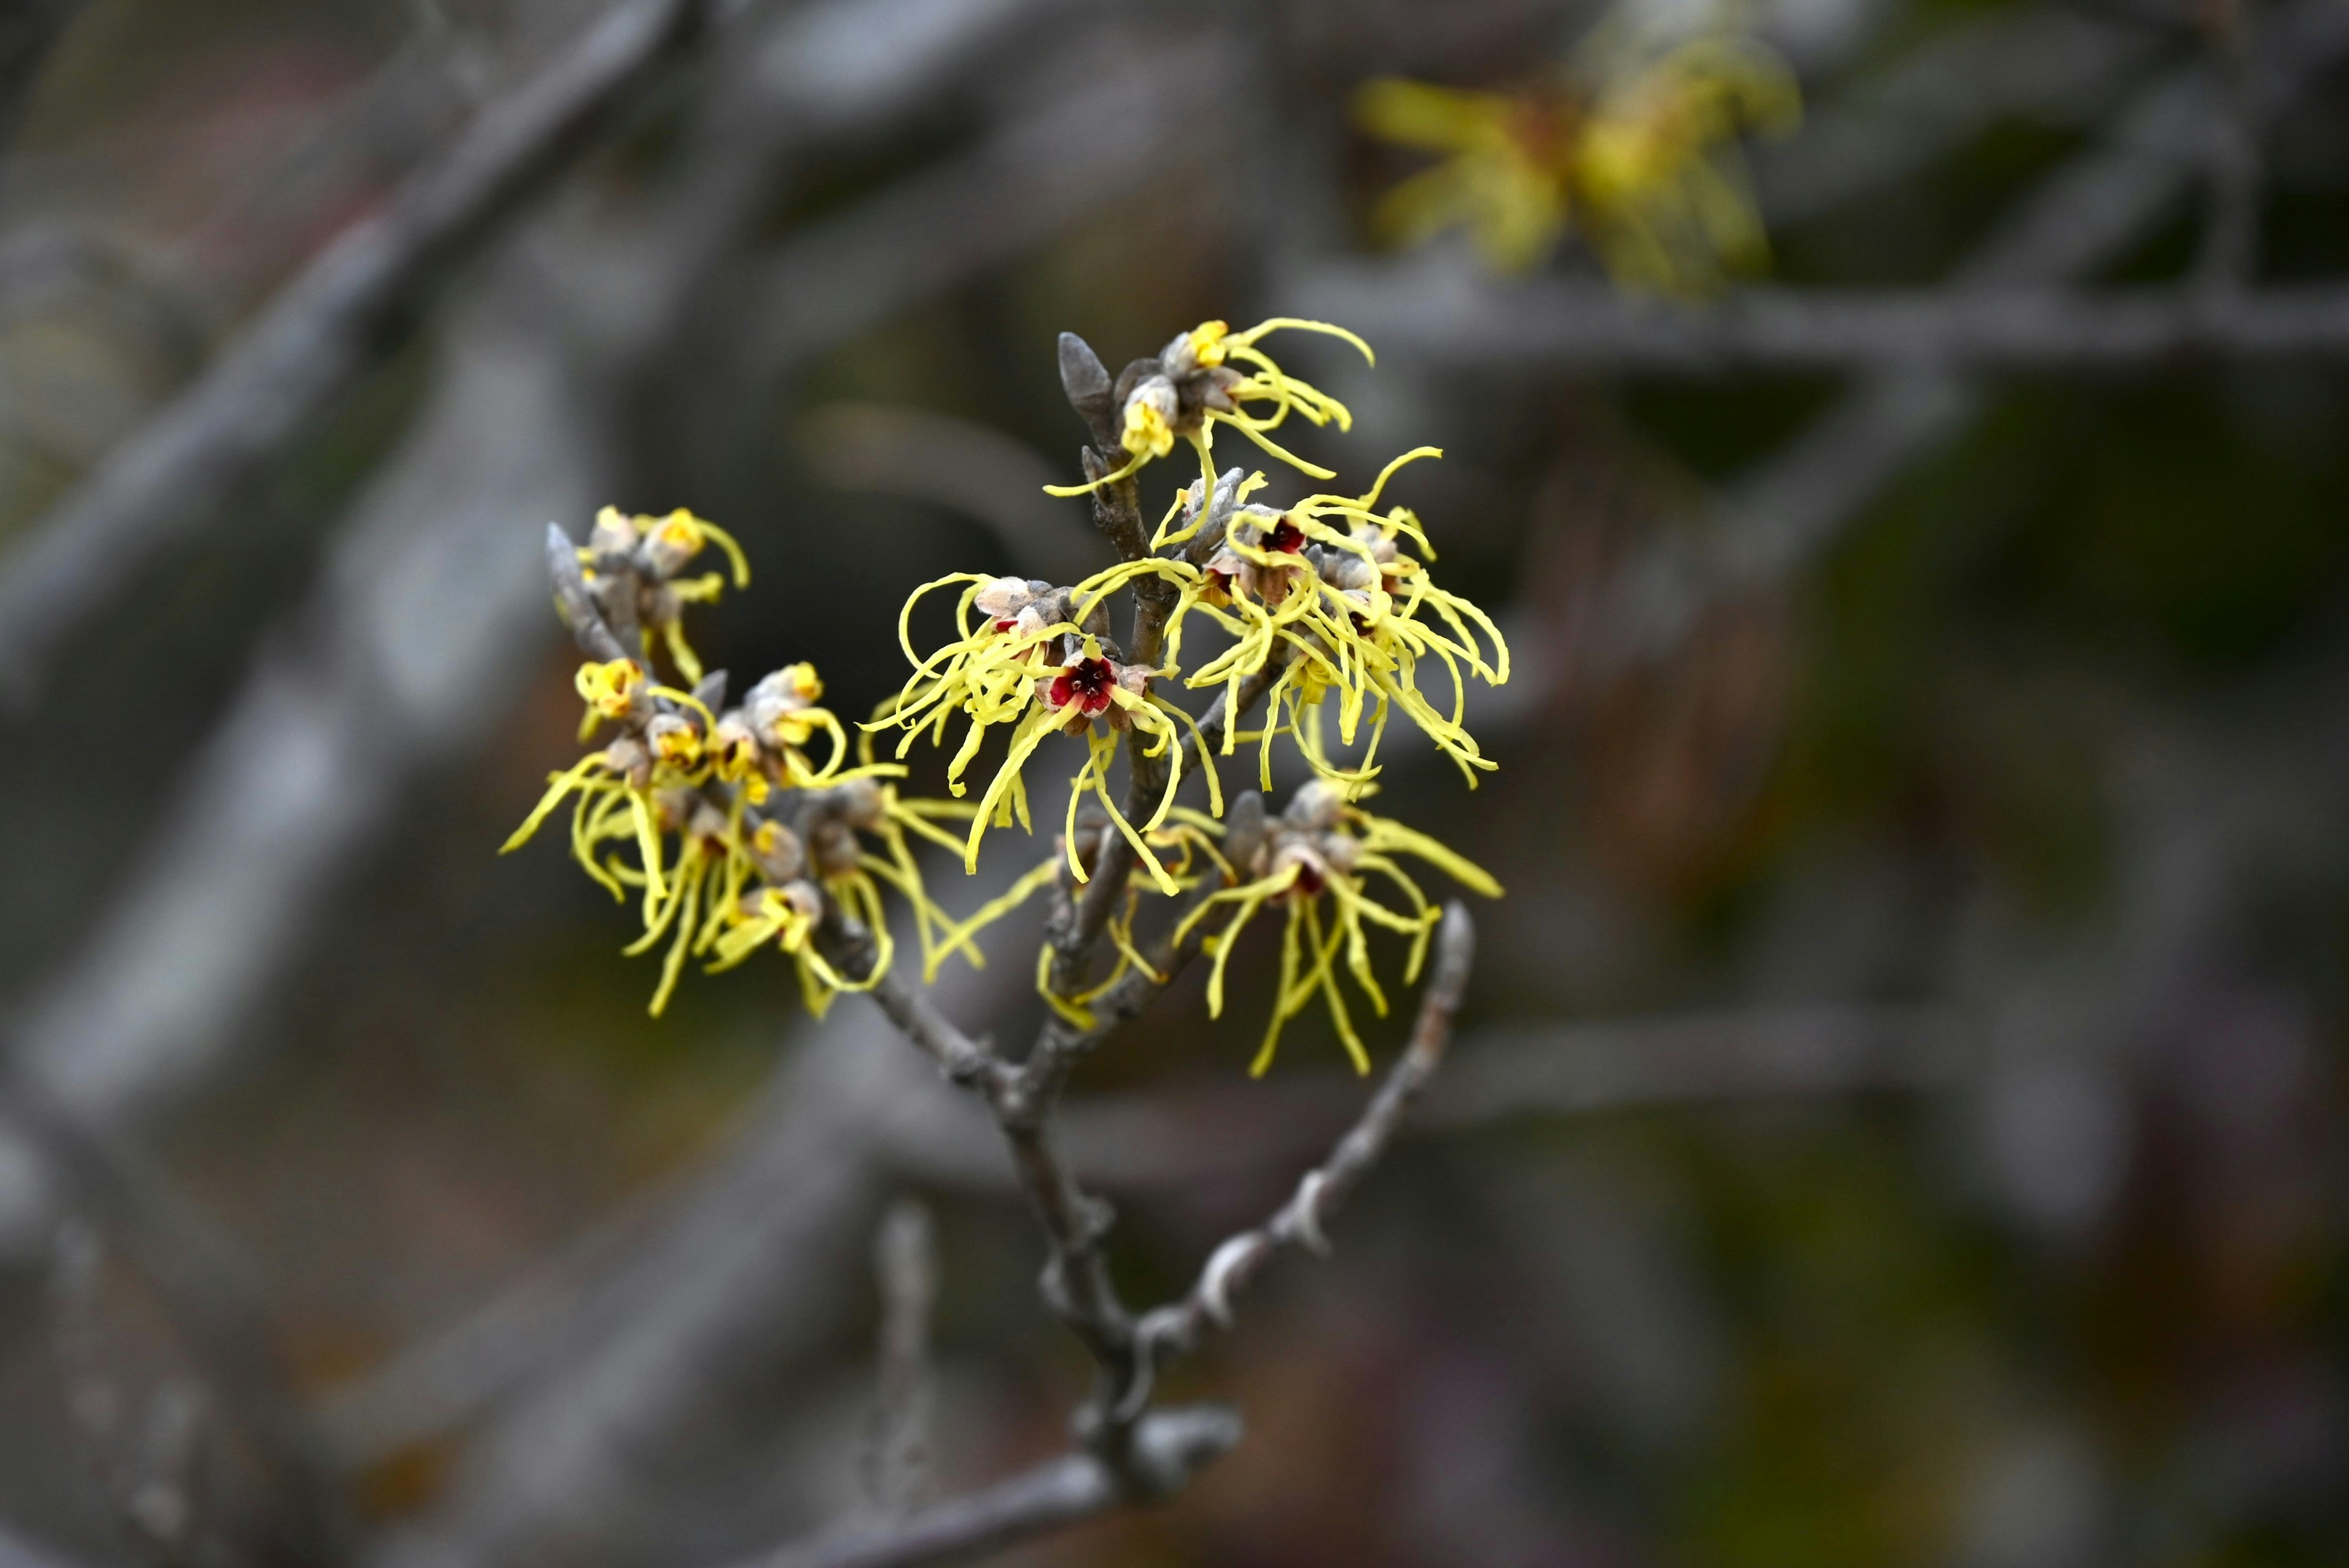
column 1213, row 376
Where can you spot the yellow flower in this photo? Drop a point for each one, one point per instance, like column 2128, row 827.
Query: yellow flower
column 759, row 745
column 631, row 564
column 786, row 916
column 1324, row 590
column 1637, row 147
column 660, row 748
column 1507, row 180
column 1026, row 659
column 1314, row 859
column 1194, row 386
column 611, row 690
column 1181, row 845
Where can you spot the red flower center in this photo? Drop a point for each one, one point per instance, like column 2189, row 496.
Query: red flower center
column 1309, row 880
column 1087, row 682
column 1285, row 535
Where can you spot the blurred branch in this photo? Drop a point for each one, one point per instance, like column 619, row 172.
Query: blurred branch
column 346, row 311
column 219, row 1365
column 2074, row 223
column 2230, row 234
column 19, row 1549
column 2047, row 65
column 956, row 464
column 724, row 1265
column 1016, row 188
column 1566, row 322
column 28, row 31
column 342, row 711
column 1051, row 1496
column 1496, row 1077
column 906, row 1270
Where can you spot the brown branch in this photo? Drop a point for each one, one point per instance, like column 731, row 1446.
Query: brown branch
column 850, row 948
column 1131, row 1452
column 1231, row 1268
column 346, row 311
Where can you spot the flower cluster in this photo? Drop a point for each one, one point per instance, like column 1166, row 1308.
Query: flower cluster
column 1195, row 384
column 737, row 828
column 1634, row 143
column 1324, row 591
column 1313, row 860
column 1325, row 608
column 1039, row 660
column 632, row 567
column 729, row 836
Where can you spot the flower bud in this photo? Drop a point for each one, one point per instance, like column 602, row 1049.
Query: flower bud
column 1315, row 807
column 777, row 852
column 675, row 740
column 613, row 688
column 673, row 541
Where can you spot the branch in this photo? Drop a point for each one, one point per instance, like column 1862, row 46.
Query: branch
column 1299, row 1222
column 348, row 308
column 1568, row 323
column 1499, row 1076
column 28, row 31
column 906, row 1270
column 2230, row 253
column 1138, row 1454
column 2074, row 223
column 1174, row 1445
column 851, row 949
column 2042, row 65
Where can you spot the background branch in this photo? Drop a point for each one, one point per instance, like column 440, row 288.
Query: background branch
column 1569, row 325
column 346, row 311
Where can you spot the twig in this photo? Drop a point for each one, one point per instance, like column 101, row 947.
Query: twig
column 905, row 1268
column 347, row 309
column 1173, row 1446
column 963, row 1060
column 1132, row 1453
column 1175, row 1328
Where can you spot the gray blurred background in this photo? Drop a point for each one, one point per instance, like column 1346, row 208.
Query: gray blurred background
column 1897, row 1118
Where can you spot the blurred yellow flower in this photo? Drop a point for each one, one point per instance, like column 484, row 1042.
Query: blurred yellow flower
column 1637, row 150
